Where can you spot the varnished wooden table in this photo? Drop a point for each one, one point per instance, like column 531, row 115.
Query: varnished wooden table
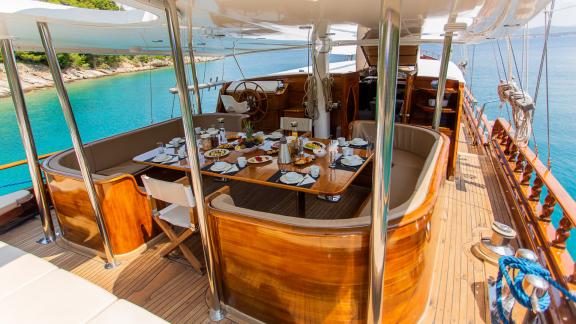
column 331, row 182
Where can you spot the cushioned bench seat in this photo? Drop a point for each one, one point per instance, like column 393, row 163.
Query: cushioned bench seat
column 36, row 291
column 13, row 200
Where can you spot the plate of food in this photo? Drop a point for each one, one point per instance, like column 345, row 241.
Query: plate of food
column 312, row 145
column 216, row 153
column 227, row 146
column 305, row 159
column 272, row 151
column 258, row 159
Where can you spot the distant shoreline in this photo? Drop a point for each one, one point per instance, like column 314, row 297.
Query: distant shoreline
column 37, row 76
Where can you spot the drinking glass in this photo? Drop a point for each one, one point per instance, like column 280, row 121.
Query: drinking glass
column 160, row 147
column 333, row 157
column 369, row 146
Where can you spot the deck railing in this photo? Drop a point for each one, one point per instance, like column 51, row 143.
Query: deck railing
column 535, row 191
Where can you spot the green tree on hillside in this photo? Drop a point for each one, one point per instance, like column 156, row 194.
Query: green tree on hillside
column 90, row 4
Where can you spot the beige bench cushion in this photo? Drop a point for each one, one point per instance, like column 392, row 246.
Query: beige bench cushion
column 226, row 203
column 122, row 311
column 58, row 297
column 127, row 167
column 12, row 200
column 18, row 268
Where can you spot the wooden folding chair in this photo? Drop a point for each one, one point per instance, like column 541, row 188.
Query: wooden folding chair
column 180, row 212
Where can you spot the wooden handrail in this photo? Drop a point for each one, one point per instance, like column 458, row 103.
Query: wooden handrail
column 526, row 165
column 22, row 162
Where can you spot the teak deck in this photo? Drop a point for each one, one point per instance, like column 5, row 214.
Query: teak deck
column 176, row 293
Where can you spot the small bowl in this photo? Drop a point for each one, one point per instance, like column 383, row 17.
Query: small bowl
column 319, row 152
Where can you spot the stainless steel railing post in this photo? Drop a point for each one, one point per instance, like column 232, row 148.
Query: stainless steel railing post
column 85, row 168
column 444, row 61
column 388, row 48
column 193, row 64
column 28, row 141
column 216, row 311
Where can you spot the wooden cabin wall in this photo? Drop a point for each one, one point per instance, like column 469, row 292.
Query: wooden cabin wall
column 290, row 103
column 419, row 91
column 126, row 212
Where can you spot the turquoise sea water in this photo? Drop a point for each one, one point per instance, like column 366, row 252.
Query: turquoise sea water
column 112, row 105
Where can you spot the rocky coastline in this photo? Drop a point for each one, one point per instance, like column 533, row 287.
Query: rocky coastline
column 37, row 76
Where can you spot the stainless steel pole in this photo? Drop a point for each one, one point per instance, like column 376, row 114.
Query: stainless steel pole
column 28, row 141
column 216, row 311
column 446, row 50
column 388, row 48
column 193, row 64
column 85, row 168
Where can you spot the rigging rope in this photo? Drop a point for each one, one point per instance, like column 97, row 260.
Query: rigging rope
column 524, row 267
column 502, row 60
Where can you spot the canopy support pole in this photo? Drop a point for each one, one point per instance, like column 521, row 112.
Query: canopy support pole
column 445, row 60
column 28, row 141
column 320, row 70
column 193, row 64
column 85, row 168
column 216, row 311
column 388, row 48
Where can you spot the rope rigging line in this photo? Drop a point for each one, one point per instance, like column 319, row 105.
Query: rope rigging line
column 524, row 267
column 502, row 60
column 237, row 63
column 472, row 66
column 516, row 66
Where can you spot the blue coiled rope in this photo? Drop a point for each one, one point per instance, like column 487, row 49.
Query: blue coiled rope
column 525, row 267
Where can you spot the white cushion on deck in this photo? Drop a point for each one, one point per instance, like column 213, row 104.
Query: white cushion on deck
column 18, row 268
column 58, row 297
column 13, row 200
column 125, row 312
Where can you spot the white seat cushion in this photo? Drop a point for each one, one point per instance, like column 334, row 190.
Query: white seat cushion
column 176, row 215
column 125, row 312
column 18, row 268
column 58, row 297
column 13, row 200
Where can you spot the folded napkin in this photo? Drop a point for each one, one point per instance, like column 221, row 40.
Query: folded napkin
column 308, row 179
column 232, row 169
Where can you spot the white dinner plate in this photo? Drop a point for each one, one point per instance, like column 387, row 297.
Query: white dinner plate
column 220, row 166
column 361, row 142
column 351, row 162
column 161, row 158
column 291, row 178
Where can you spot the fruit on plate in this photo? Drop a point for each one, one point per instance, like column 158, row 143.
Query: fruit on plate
column 304, row 160
column 313, row 145
column 260, row 159
column 272, row 151
column 216, row 153
column 226, row 146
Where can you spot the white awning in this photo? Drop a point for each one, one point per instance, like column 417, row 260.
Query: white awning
column 431, row 68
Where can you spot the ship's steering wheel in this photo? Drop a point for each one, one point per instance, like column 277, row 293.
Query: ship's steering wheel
column 255, row 96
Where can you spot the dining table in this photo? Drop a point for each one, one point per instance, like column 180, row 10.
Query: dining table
column 333, row 180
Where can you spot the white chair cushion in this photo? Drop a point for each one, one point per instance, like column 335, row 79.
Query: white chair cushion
column 58, row 297
column 18, row 268
column 13, row 200
column 125, row 312
column 176, row 215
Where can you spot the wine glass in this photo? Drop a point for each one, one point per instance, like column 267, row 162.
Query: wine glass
column 160, row 147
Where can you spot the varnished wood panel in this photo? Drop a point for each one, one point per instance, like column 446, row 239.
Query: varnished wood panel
column 289, row 273
column 125, row 209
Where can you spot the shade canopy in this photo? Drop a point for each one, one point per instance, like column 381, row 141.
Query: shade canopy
column 225, row 27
